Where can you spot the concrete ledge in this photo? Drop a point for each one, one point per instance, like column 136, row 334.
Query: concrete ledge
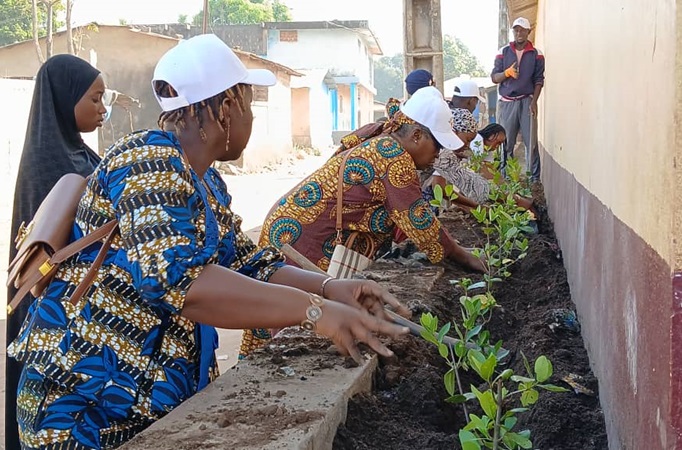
column 274, row 402
column 293, row 394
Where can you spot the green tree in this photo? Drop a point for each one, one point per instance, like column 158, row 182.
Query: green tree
column 281, row 12
column 15, row 21
column 243, row 12
column 388, row 77
column 457, row 60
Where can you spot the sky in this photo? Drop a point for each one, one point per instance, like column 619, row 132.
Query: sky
column 472, row 21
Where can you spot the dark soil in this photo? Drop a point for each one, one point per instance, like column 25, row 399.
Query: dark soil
column 406, row 409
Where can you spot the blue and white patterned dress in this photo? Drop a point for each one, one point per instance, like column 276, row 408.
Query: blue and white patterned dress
column 98, row 372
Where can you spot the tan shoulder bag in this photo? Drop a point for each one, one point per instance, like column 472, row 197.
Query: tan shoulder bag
column 42, row 244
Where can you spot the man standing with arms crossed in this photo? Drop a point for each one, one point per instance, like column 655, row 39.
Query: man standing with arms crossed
column 520, row 72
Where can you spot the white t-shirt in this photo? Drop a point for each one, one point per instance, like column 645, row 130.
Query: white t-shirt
column 477, row 146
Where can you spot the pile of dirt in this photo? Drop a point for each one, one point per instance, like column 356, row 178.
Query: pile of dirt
column 406, row 409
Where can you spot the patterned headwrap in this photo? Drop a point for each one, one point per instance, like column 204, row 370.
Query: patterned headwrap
column 463, row 121
column 396, row 119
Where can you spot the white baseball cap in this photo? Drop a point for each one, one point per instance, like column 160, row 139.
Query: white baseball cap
column 428, row 108
column 202, row 67
column 466, row 88
column 522, row 22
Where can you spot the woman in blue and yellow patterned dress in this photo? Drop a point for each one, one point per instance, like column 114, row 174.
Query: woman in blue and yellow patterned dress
column 381, row 189
column 141, row 340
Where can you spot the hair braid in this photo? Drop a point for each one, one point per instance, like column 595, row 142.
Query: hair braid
column 213, row 107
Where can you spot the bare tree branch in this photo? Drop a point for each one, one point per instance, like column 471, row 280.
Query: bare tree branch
column 69, row 32
column 34, row 27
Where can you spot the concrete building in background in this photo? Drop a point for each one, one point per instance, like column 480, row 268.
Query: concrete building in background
column 126, row 56
column 336, row 95
column 611, row 145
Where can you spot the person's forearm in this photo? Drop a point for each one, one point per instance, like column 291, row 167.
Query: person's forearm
column 223, row 298
column 453, row 251
column 466, row 201
column 299, row 278
column 498, row 77
column 536, row 92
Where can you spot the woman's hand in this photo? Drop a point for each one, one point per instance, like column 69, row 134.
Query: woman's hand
column 365, row 294
column 346, row 326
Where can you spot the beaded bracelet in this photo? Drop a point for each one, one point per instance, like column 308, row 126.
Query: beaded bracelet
column 313, row 313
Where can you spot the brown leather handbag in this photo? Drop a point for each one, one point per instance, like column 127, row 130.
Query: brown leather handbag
column 42, row 244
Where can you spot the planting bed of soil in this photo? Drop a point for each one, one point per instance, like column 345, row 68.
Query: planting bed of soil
column 406, row 409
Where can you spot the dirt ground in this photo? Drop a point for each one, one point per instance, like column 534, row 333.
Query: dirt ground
column 407, row 409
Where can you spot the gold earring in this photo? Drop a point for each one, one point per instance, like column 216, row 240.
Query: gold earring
column 227, row 132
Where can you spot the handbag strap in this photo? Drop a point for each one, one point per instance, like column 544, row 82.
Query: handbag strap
column 339, row 197
column 92, row 271
column 107, row 230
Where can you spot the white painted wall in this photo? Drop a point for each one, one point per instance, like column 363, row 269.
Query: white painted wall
column 341, row 51
column 270, row 138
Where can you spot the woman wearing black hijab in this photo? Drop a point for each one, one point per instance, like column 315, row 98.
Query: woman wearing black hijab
column 67, row 101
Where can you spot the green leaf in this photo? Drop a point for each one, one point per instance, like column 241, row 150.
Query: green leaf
column 449, row 380
column 552, row 388
column 460, row 349
column 443, row 350
column 468, row 440
column 543, row 369
column 449, row 190
column 506, row 374
column 429, row 321
column 526, row 364
column 529, row 397
column 513, row 231
column 520, row 379
column 443, row 331
column 516, row 438
column 479, row 285
column 473, row 332
column 481, row 424
column 509, row 422
column 488, row 368
column 438, row 193
column 428, row 336
column 457, row 398
column 486, row 400
column 434, row 203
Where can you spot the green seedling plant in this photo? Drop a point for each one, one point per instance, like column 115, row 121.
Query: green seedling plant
column 476, row 312
column 443, row 197
column 505, row 243
column 493, row 429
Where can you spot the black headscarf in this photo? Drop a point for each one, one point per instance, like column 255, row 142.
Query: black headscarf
column 53, row 147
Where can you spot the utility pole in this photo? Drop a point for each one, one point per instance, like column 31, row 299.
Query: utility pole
column 503, row 33
column 423, row 38
column 204, row 26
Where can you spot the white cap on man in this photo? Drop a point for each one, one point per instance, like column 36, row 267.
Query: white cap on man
column 466, row 88
column 522, row 22
column 202, row 67
column 428, row 108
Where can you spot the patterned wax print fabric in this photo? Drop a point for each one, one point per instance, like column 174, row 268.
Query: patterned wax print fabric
column 98, row 372
column 457, row 173
column 380, row 191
